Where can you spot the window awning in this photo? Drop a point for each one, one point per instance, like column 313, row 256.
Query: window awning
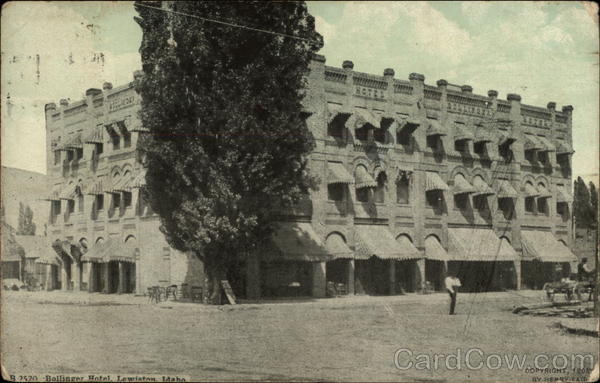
column 434, row 128
column 506, row 138
column 532, row 143
column 466, row 244
column 296, row 241
column 96, row 187
column 96, row 136
column 70, row 191
column 547, row 145
column 363, row 179
column 531, row 191
column 376, row 240
column 54, row 194
column 140, row 180
column 123, row 183
column 481, row 187
column 483, row 135
column 543, row 192
column 74, row 142
column 564, row 147
column 433, row 181
column 434, row 250
column 48, row 258
column 67, row 248
column 544, row 247
column 337, row 248
column 505, row 190
column 134, row 125
column 462, row 186
column 408, row 125
column 109, row 250
column 337, row 174
column 563, row 195
column 364, row 116
column 335, row 110
column 462, row 132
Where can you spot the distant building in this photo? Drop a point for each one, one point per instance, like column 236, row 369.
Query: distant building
column 416, row 181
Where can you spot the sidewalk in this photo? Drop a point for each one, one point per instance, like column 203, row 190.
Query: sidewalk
column 99, row 299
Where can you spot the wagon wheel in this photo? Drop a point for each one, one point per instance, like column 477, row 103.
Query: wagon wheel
column 549, row 292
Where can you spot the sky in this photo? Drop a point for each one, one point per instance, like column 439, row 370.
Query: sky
column 544, row 51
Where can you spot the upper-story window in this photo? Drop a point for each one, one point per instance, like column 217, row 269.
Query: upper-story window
column 403, row 188
column 542, row 200
column 480, row 202
column 530, row 204
column 126, row 138
column 70, row 206
column 99, row 202
column 127, row 199
column 98, row 148
column 362, row 133
column 70, row 155
column 379, row 193
column 80, row 202
column 116, row 141
column 56, row 157
column 461, row 201
column 78, row 154
column 335, row 192
column 480, row 148
column 507, row 207
column 55, row 208
column 461, row 146
column 506, row 153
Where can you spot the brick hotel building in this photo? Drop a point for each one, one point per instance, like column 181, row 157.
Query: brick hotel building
column 415, row 181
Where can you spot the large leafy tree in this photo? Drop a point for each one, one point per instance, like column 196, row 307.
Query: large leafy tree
column 227, row 145
column 582, row 207
column 593, row 203
column 25, row 224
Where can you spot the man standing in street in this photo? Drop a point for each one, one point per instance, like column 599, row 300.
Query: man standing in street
column 452, row 283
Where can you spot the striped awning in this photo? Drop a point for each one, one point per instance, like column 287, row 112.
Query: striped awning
column 506, row 138
column 366, row 117
column 433, row 181
column 481, row 187
column 505, row 190
column 296, row 241
column 471, row 244
column 532, row 143
column 435, row 128
column 110, row 250
column 408, row 125
column 74, row 142
column 70, row 191
column 334, row 110
column 462, row 186
column 434, row 250
column 96, row 136
column 376, row 240
column 563, row 195
column 543, row 192
column 48, row 258
column 544, row 247
column 482, row 134
column 363, row 179
column 337, row 247
column 54, row 194
column 531, row 191
column 121, row 184
column 462, row 132
column 337, row 174
column 97, row 187
column 134, row 125
column 547, row 145
column 140, row 180
column 564, row 147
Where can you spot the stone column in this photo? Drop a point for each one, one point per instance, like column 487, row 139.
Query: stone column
column 64, row 283
column 253, row 277
column 121, row 285
column 76, row 275
column 319, row 279
column 443, row 273
column 48, row 285
column 518, row 274
column 350, row 276
column 392, row 276
column 420, row 269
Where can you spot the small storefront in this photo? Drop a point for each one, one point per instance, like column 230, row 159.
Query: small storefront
column 110, row 267
column 47, row 273
column 481, row 260
column 436, row 260
column 292, row 264
column 545, row 258
column 340, row 270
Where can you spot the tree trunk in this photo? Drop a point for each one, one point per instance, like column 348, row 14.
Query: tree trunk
column 215, row 274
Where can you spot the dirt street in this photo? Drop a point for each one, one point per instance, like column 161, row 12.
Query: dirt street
column 337, row 339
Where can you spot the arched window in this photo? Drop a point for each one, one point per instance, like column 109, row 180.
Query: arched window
column 379, row 194
column 403, row 188
column 529, row 200
column 542, row 201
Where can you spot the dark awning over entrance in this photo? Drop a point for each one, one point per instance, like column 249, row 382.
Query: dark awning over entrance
column 296, row 241
column 110, row 250
column 376, row 240
column 467, row 244
column 544, row 247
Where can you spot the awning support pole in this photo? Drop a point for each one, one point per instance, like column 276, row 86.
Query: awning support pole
column 76, row 275
column 121, row 287
column 420, row 271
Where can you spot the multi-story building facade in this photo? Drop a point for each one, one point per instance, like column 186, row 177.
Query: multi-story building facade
column 415, row 181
